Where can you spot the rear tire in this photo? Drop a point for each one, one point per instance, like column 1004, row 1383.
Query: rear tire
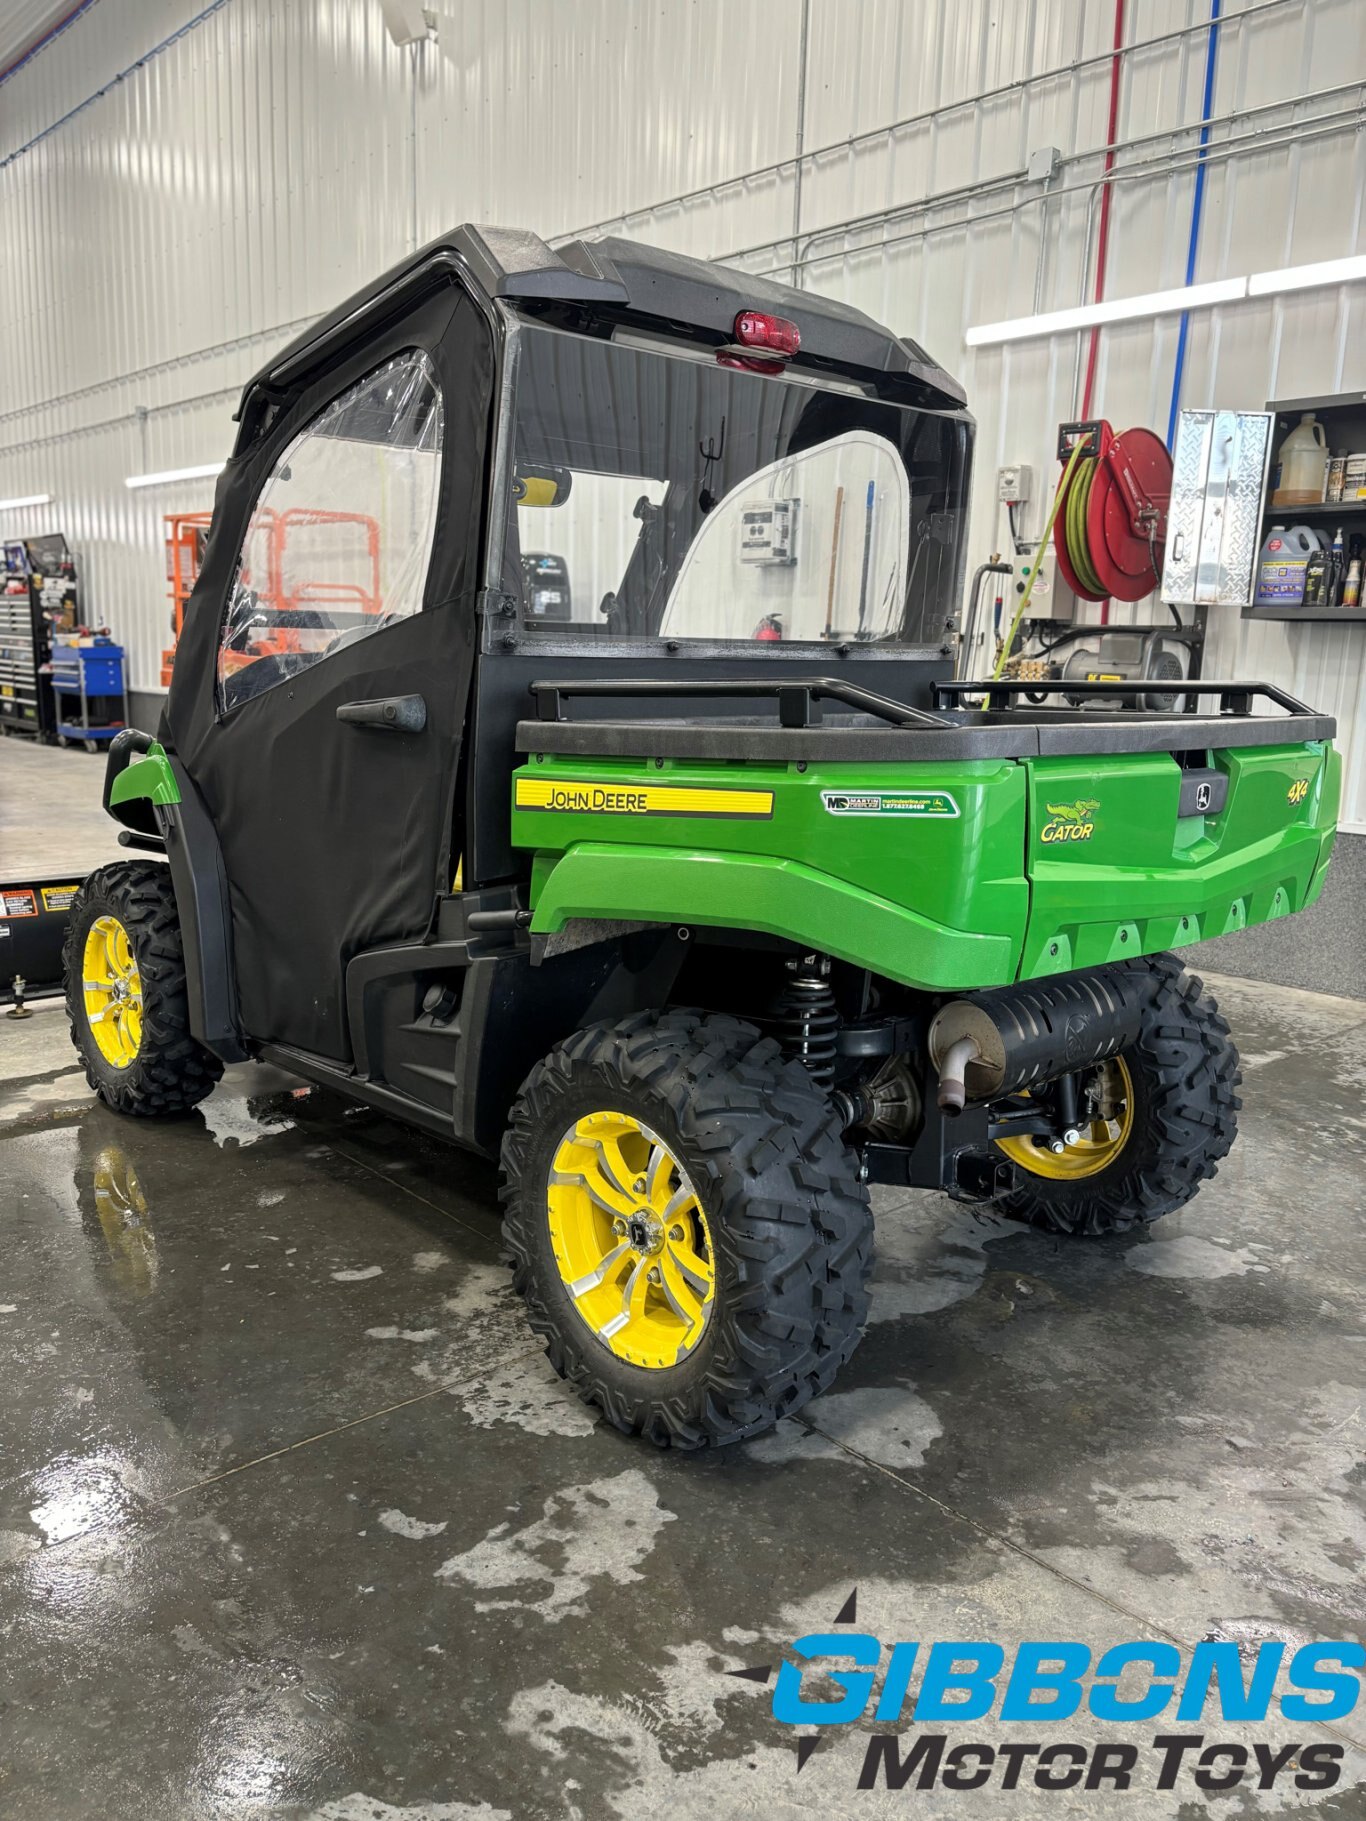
column 783, row 1216
column 166, row 1070
column 1185, row 1075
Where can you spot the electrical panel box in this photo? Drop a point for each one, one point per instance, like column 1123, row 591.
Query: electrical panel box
column 1048, row 601
column 768, row 531
column 1015, row 484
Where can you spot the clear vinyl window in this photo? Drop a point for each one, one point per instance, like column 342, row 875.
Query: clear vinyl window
column 341, row 534
column 811, row 547
column 665, row 496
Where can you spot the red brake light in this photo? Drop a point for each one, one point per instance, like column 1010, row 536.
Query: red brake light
column 763, row 343
column 774, row 334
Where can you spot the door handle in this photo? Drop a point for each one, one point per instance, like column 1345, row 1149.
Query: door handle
column 391, row 714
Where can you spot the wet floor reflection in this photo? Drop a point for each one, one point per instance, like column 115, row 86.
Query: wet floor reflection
column 75, row 1493
column 120, row 1208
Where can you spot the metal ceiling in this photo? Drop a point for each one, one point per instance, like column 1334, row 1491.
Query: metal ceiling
column 24, row 23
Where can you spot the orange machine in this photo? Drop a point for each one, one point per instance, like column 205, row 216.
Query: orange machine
column 186, row 533
column 281, row 590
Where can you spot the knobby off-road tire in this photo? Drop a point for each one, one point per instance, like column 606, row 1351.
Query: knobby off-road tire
column 1185, row 1076
column 170, row 1072
column 789, row 1222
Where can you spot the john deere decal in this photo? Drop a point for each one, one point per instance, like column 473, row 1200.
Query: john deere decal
column 639, row 799
column 1070, row 821
column 889, row 803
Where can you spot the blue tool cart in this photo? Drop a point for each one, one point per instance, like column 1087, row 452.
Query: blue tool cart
column 90, row 685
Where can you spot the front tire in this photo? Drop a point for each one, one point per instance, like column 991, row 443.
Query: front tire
column 126, row 995
column 686, row 1225
column 1176, row 1106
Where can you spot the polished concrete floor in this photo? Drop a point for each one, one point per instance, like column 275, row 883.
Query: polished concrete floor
column 51, row 816
column 296, row 1522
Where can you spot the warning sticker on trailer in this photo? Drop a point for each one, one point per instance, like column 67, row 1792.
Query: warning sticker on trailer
column 58, row 897
column 889, row 803
column 17, row 901
column 639, row 799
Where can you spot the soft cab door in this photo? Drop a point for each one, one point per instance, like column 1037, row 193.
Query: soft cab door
column 342, row 570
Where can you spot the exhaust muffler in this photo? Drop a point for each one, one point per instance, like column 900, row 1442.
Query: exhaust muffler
column 1014, row 1037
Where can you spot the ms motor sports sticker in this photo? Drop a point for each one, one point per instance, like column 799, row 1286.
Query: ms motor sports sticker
column 889, row 803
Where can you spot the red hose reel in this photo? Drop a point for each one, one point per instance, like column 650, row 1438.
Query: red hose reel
column 1111, row 528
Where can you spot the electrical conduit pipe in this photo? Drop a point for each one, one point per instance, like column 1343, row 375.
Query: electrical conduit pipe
column 1103, row 232
column 1197, row 204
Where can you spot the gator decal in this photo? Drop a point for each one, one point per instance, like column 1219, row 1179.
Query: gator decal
column 1070, row 821
column 582, row 797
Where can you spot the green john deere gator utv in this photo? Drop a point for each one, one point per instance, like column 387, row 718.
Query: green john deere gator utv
column 597, row 794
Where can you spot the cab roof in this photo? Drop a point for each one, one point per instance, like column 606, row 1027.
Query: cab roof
column 623, row 281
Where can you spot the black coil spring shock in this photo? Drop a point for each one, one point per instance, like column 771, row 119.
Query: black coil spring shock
column 805, row 1020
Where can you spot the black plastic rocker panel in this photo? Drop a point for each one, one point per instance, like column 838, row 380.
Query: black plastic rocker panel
column 201, row 893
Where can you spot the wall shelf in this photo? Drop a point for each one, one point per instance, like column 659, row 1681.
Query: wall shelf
column 1342, row 615
column 1288, row 515
column 1344, row 421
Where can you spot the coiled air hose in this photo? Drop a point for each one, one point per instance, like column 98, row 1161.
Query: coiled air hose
column 1021, row 610
column 1108, row 520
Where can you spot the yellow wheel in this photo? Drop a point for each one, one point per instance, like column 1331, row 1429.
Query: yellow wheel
column 1103, row 1136
column 127, row 997
column 630, row 1239
column 686, row 1225
column 112, row 987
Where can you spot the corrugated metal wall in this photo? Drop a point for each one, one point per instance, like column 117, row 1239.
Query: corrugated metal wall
column 167, row 217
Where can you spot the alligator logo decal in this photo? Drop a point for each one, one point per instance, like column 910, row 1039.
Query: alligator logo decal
column 1070, row 821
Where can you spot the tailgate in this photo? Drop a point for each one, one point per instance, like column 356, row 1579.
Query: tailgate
column 1123, row 861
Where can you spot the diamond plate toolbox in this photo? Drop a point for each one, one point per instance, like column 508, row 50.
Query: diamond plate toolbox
column 1215, row 518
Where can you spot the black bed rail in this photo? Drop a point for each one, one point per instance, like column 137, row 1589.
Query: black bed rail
column 1234, row 698
column 798, row 698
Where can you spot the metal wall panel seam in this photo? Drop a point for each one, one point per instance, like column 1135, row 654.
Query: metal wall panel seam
column 869, row 134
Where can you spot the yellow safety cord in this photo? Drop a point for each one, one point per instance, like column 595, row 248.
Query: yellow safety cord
column 1020, row 611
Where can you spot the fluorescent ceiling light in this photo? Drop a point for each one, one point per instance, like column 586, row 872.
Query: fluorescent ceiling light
column 1117, row 309
column 29, row 499
column 1300, row 278
column 203, row 473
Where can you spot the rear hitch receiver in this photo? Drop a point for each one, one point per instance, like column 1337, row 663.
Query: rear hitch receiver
column 981, row 1176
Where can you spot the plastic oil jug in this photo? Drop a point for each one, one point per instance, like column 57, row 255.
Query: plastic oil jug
column 1301, row 465
column 1280, row 570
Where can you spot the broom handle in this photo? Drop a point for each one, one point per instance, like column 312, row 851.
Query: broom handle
column 834, row 562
